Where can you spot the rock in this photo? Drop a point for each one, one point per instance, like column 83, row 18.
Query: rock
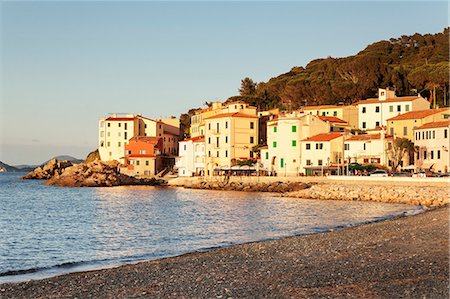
column 52, row 168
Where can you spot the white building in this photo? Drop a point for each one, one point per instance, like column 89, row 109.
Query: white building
column 367, row 149
column 284, row 133
column 375, row 112
column 322, row 153
column 191, row 159
column 433, row 142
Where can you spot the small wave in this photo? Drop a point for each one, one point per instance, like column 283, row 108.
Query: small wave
column 38, row 269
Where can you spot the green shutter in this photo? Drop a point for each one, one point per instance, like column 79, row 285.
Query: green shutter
column 294, row 129
column 294, row 142
column 274, row 144
column 281, row 162
column 267, row 155
column 275, row 129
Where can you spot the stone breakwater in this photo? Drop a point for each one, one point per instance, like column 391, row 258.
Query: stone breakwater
column 415, row 195
column 277, row 187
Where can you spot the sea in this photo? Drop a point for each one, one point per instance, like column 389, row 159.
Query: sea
column 47, row 231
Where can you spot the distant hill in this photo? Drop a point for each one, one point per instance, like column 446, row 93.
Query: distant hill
column 410, row 64
column 64, row 157
column 7, row 168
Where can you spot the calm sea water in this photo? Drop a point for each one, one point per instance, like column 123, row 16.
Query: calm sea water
column 47, row 231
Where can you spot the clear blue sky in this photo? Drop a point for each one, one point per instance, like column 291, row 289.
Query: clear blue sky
column 65, row 64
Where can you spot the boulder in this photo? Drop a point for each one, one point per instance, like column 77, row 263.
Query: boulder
column 49, row 170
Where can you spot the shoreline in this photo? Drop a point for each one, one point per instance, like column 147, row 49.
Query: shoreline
column 314, row 253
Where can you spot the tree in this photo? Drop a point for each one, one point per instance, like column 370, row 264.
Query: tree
column 248, row 87
column 398, row 150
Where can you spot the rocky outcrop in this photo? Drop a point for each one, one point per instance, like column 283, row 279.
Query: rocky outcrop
column 97, row 174
column 278, row 187
column 49, row 170
column 92, row 156
column 416, row 195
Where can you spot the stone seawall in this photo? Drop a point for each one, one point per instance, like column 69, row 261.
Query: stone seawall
column 427, row 193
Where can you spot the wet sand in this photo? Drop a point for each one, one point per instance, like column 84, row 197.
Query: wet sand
column 406, row 257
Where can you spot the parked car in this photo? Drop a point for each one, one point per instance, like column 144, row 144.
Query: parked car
column 420, row 174
column 401, row 174
column 380, row 172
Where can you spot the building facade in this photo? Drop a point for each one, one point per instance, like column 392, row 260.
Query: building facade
column 191, row 159
column 322, row 153
column 433, row 143
column 347, row 113
column 368, row 149
column 142, row 156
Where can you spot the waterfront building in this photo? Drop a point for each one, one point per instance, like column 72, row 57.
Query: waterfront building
column 264, row 117
column 282, row 156
column 375, row 112
column 142, row 157
column 348, row 113
column 191, row 159
column 336, row 124
column 230, row 136
column 433, row 143
column 368, row 148
column 402, row 125
column 322, row 153
column 116, row 130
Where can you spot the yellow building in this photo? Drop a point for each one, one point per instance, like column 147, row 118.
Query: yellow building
column 230, row 136
column 403, row 125
column 347, row 113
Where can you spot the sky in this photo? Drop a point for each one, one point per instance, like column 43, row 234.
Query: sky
column 65, row 64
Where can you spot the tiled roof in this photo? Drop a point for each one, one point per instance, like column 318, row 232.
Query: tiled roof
column 332, row 119
column 418, row 114
column 232, row 114
column 148, row 139
column 320, row 107
column 193, row 138
column 367, row 137
column 435, row 124
column 390, row 100
column 323, row 137
column 121, row 118
column 200, row 140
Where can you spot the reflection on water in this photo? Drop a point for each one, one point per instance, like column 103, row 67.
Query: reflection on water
column 43, row 226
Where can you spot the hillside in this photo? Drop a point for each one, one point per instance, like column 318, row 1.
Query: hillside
column 410, row 64
column 7, row 168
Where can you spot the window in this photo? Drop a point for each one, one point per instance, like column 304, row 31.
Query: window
column 434, row 134
column 308, row 162
column 424, row 155
column 391, row 108
column 119, row 134
column 226, row 154
column 363, row 109
column 319, row 145
column 217, row 141
column 423, row 134
column 294, row 142
column 438, row 154
column 391, row 131
column 102, row 124
column 308, row 146
column 267, row 155
column 407, row 108
column 252, row 125
column 209, row 140
column 125, row 135
column 128, row 152
column 432, row 155
column 274, row 144
column 334, row 113
column 251, row 139
column 102, row 133
column 217, row 154
column 275, row 129
column 226, row 139
column 184, row 147
column 226, row 125
column 127, row 124
column 209, row 126
column 364, row 124
column 119, row 124
column 377, row 124
column 146, row 162
column 108, row 144
column 209, row 153
column 347, row 147
column 445, row 133
column 137, row 162
column 426, row 134
column 294, row 129
column 417, row 136
column 109, row 125
column 364, row 146
column 377, row 109
column 281, row 162
column 418, row 155
column 319, row 162
column 108, row 134
column 399, row 108
column 323, row 113
column 118, row 144
column 405, row 131
column 217, row 127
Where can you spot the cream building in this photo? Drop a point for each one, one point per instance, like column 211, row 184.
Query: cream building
column 402, row 125
column 322, row 153
column 347, row 113
column 368, row 149
column 284, row 133
column 375, row 112
column 433, row 142
column 191, row 159
column 230, row 136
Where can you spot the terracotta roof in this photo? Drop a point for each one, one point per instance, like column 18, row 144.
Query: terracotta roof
column 377, row 128
column 323, row 137
column 320, row 107
column 140, row 156
column 332, row 119
column 193, row 138
column 232, row 114
column 149, row 139
column 200, row 140
column 367, row 137
column 418, row 114
column 121, row 118
column 435, row 124
column 390, row 100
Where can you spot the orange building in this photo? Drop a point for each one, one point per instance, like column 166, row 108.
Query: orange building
column 142, row 156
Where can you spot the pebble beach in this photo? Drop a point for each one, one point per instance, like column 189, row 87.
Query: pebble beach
column 405, row 257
